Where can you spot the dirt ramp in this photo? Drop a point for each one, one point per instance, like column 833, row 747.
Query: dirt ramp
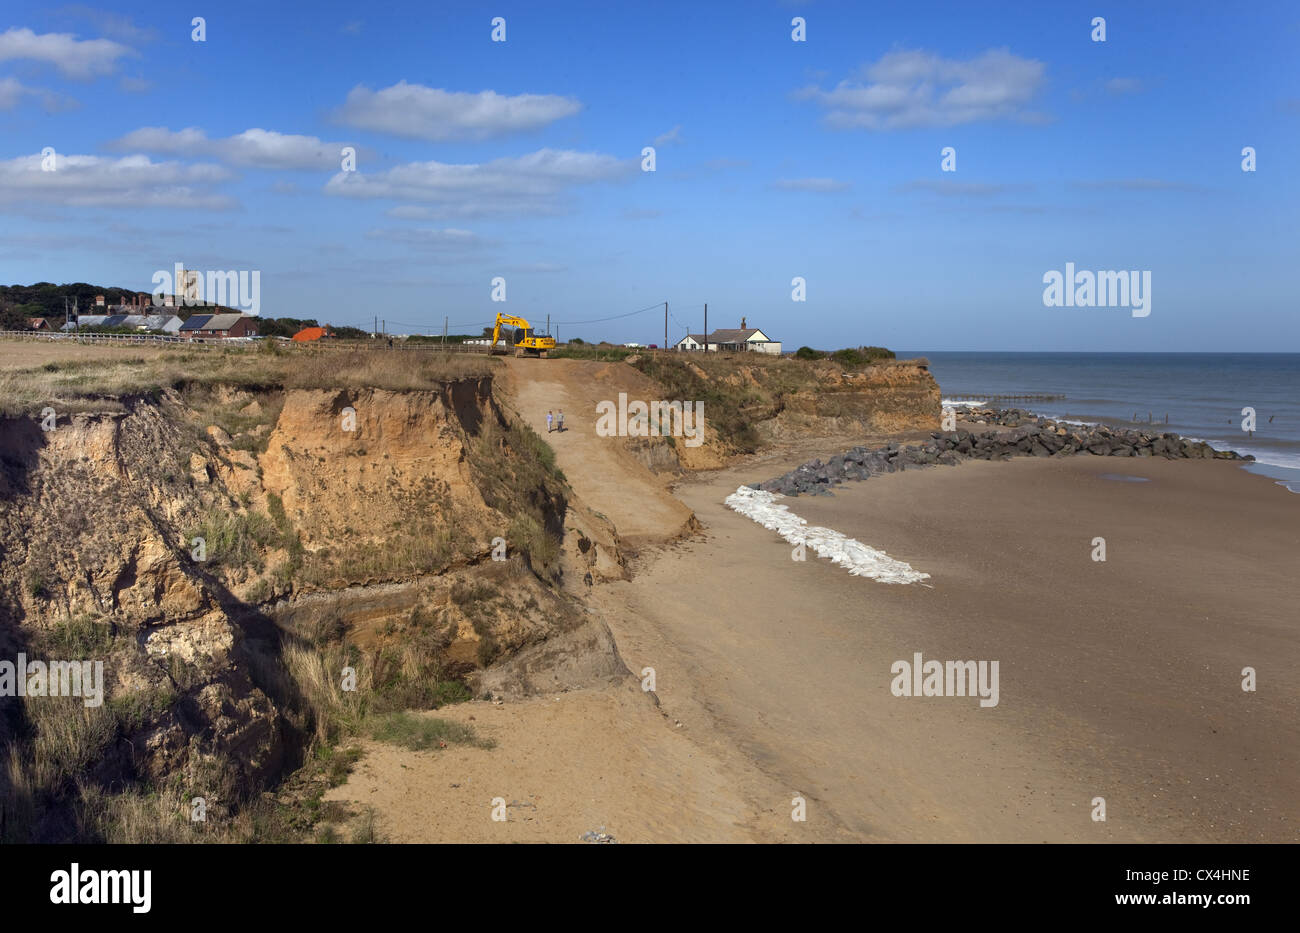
column 608, row 473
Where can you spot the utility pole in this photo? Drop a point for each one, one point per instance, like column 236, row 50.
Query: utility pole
column 444, row 332
column 385, row 323
column 665, row 325
column 548, row 325
column 376, row 330
column 706, row 327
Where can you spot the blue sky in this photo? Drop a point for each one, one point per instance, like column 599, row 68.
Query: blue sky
column 774, row 159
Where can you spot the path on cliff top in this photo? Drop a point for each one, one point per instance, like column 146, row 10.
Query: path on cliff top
column 608, row 477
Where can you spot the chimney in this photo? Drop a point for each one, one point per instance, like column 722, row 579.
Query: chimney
column 742, row 324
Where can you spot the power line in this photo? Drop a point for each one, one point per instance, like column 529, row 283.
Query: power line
column 600, row 320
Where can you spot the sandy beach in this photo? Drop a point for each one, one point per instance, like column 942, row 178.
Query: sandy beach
column 1119, row 679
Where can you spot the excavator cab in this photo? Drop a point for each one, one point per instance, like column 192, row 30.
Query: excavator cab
column 524, row 341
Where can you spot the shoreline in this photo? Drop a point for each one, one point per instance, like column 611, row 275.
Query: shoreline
column 1028, row 434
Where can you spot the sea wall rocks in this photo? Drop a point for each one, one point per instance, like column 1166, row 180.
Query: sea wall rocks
column 1021, row 434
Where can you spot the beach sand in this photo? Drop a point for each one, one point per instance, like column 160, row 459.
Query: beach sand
column 1119, row 679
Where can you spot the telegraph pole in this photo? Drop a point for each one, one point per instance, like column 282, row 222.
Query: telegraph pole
column 706, row 327
column 665, row 325
column 444, row 332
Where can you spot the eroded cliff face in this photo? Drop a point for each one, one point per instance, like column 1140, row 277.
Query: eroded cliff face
column 187, row 555
column 751, row 400
column 94, row 564
column 891, row 396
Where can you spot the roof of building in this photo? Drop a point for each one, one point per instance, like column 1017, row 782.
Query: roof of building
column 698, row 338
column 196, row 322
column 733, row 336
column 222, row 321
column 150, row 321
column 311, row 333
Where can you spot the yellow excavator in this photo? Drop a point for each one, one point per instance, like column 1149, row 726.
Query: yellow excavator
column 527, row 343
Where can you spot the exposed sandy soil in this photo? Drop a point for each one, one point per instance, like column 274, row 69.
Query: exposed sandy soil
column 589, row 760
column 600, row 469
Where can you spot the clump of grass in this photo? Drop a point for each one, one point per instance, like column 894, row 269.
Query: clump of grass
column 729, row 410
column 76, row 638
column 138, row 708
column 589, row 352
column 516, row 473
column 69, row 737
column 424, row 732
column 235, row 540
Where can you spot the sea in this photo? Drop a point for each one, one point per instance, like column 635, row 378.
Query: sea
column 1201, row 394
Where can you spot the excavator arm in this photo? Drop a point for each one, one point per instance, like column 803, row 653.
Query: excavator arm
column 510, row 320
column 529, row 344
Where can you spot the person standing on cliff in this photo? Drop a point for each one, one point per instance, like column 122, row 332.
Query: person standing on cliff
column 559, row 421
column 549, row 421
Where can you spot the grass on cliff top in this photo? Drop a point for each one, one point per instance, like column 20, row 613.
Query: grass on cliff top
column 76, row 381
column 588, row 352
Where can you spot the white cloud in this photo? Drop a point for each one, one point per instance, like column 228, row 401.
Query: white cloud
column 110, row 24
column 820, row 185
column 447, row 238
column 908, row 89
column 253, row 147
column 672, row 136
column 94, row 181
column 952, row 188
column 1137, row 184
column 530, row 184
column 76, row 58
column 12, row 92
column 418, row 112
